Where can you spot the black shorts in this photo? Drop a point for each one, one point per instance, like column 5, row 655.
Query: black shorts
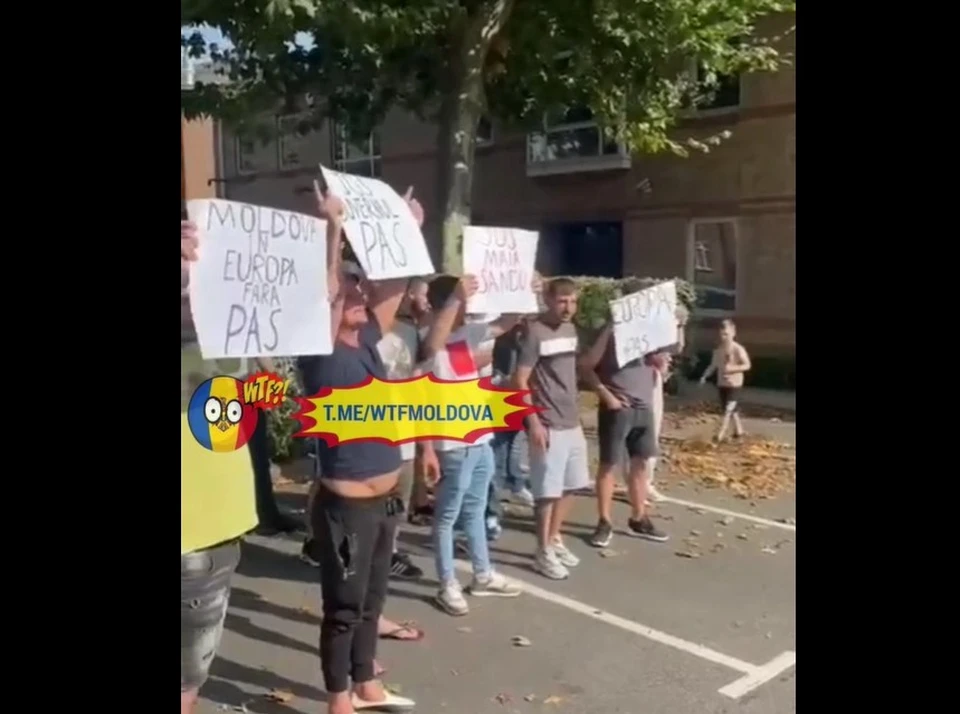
column 630, row 427
column 729, row 395
column 204, row 592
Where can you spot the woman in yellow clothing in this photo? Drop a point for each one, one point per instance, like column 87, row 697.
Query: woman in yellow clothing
column 217, row 506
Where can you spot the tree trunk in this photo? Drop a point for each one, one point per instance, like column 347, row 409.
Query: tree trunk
column 460, row 113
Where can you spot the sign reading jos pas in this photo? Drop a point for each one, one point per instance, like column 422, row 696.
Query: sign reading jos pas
column 260, row 285
column 644, row 321
column 381, row 229
column 502, row 259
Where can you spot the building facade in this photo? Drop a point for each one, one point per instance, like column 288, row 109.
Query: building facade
column 725, row 220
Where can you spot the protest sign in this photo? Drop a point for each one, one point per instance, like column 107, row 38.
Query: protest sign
column 259, row 287
column 381, row 229
column 644, row 322
column 503, row 261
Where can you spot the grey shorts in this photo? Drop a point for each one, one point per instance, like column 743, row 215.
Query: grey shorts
column 563, row 467
column 631, row 428
column 204, row 593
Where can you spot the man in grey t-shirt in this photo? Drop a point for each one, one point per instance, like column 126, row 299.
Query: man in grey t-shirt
column 547, row 366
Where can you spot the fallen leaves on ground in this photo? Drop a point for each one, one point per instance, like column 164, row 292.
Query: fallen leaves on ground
column 553, row 700
column 751, row 468
column 706, row 411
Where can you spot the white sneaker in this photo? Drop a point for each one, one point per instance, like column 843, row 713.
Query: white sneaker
column 547, row 564
column 493, row 585
column 392, row 703
column 523, row 497
column 654, row 495
column 567, row 558
column 451, row 600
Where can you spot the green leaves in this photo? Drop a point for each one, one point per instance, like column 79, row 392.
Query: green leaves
column 632, row 62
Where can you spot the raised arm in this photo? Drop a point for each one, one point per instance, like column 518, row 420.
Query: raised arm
column 331, row 209
column 588, row 362
column 188, row 251
column 386, row 295
column 446, row 317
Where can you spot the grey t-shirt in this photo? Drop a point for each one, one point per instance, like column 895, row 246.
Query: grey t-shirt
column 628, row 383
column 551, row 351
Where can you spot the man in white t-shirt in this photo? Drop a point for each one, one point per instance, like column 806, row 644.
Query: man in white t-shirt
column 455, row 351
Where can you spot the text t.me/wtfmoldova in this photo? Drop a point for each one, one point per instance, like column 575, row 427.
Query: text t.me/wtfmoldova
column 471, row 413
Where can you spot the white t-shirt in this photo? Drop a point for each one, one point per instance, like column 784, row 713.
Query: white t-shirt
column 398, row 350
column 456, row 363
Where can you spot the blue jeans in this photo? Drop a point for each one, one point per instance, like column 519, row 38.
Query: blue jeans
column 507, row 460
column 461, row 494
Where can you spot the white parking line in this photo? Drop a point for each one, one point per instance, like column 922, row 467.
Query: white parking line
column 732, row 514
column 753, row 675
column 762, row 674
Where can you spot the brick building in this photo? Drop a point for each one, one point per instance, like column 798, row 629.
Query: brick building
column 725, row 220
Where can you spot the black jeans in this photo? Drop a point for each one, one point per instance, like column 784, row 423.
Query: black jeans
column 354, row 542
column 267, row 511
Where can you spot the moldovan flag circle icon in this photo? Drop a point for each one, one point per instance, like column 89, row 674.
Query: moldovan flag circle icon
column 219, row 418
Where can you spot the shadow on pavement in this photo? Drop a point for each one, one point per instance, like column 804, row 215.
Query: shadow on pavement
column 227, row 695
column 236, row 672
column 243, row 626
column 257, row 561
column 248, row 600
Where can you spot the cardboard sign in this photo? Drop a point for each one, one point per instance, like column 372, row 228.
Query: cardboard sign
column 503, row 261
column 381, row 229
column 260, row 285
column 644, row 322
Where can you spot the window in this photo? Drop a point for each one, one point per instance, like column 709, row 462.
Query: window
column 723, row 94
column 484, row 132
column 249, row 155
column 361, row 158
column 571, row 134
column 293, row 133
column 712, row 248
column 714, row 91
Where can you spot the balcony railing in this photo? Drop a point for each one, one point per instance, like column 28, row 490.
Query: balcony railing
column 570, row 148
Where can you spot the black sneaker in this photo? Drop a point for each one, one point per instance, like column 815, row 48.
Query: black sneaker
column 402, row 567
column 307, row 553
column 602, row 535
column 644, row 528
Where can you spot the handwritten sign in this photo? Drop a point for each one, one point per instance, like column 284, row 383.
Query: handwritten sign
column 381, row 229
column 260, row 285
column 644, row 322
column 503, row 260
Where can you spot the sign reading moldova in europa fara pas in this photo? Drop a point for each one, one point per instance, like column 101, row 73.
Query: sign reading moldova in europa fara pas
column 410, row 410
column 259, row 287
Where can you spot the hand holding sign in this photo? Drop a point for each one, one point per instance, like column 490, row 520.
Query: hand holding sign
column 467, row 288
column 329, row 205
column 537, row 283
column 415, row 208
column 382, row 227
column 188, row 240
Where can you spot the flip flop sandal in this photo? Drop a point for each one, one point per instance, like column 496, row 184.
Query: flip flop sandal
column 409, row 627
column 393, row 703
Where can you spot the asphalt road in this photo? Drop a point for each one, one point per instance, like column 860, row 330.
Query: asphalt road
column 638, row 628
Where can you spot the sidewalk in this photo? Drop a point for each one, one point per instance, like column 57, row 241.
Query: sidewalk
column 773, row 398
